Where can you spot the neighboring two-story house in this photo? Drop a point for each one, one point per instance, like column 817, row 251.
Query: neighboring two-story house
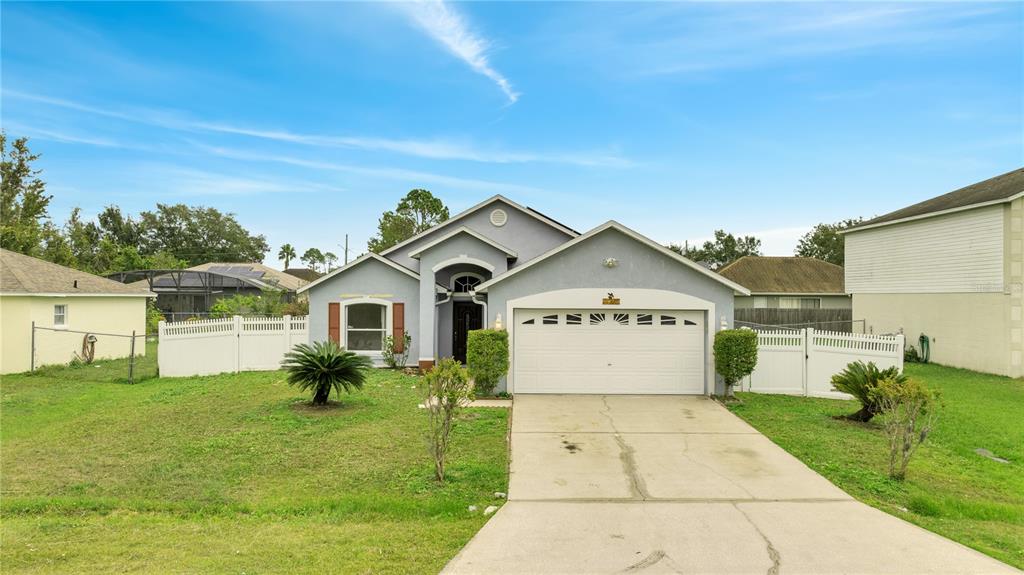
column 607, row 311
column 950, row 268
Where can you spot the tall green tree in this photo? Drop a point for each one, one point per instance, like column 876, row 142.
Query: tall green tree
column 286, row 254
column 23, row 200
column 419, row 210
column 198, row 235
column 313, row 258
column 724, row 249
column 330, row 261
column 825, row 242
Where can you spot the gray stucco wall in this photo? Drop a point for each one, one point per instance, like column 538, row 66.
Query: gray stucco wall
column 640, row 266
column 370, row 278
column 522, row 233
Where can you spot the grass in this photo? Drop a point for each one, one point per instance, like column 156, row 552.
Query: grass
column 233, row 473
column 949, row 489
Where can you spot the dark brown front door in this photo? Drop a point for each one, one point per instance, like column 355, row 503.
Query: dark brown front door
column 468, row 317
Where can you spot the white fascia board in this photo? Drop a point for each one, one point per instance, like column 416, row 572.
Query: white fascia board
column 799, row 294
column 473, row 209
column 463, row 229
column 56, row 294
column 933, row 214
column 364, row 258
column 632, row 234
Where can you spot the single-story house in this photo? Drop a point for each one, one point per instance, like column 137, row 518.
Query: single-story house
column 606, row 311
column 790, row 291
column 950, row 269
column 63, row 303
column 191, row 292
column 788, row 283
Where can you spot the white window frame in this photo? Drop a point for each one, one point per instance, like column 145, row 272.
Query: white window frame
column 798, row 300
column 64, row 316
column 385, row 329
column 451, row 283
column 760, row 302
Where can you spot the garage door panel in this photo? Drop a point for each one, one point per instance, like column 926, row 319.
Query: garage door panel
column 602, row 351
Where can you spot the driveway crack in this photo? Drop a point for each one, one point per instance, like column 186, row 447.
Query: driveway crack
column 773, row 553
column 627, row 455
column 727, row 479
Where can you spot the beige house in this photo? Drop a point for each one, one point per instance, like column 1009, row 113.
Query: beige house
column 63, row 303
column 950, row 269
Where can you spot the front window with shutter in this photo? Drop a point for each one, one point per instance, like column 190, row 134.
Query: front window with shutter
column 365, row 327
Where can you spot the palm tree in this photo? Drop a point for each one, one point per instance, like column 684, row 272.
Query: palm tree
column 286, row 253
column 324, row 366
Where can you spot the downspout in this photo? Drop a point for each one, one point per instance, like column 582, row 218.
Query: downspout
column 472, row 296
column 447, row 298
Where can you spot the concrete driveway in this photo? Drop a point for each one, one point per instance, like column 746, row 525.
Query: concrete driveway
column 677, row 484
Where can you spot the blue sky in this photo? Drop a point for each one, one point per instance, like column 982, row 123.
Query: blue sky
column 308, row 120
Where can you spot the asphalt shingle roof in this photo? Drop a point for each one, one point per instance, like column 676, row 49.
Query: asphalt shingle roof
column 21, row 274
column 1001, row 187
column 769, row 274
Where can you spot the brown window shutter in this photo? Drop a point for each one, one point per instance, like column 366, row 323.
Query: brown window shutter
column 334, row 322
column 398, row 326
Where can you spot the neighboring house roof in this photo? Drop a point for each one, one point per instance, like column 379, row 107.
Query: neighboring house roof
column 21, row 274
column 1000, row 189
column 612, row 224
column 463, row 230
column 259, row 272
column 369, row 256
column 498, row 198
column 785, row 275
column 304, row 274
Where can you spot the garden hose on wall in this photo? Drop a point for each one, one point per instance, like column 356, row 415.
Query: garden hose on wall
column 923, row 341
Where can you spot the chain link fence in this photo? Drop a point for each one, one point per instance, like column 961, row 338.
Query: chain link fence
column 93, row 355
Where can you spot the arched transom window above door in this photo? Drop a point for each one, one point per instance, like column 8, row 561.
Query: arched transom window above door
column 465, row 282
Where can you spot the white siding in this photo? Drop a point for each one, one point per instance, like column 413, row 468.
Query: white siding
column 961, row 252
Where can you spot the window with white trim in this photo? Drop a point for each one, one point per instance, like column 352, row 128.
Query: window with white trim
column 465, row 283
column 799, row 303
column 60, row 315
column 760, row 301
column 366, row 326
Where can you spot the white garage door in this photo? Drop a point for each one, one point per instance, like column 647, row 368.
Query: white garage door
column 605, row 351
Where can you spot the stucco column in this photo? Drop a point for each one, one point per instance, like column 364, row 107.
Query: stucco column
column 427, row 345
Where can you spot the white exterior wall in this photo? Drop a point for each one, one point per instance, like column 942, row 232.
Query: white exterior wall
column 960, row 252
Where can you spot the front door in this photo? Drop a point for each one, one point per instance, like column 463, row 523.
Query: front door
column 468, row 316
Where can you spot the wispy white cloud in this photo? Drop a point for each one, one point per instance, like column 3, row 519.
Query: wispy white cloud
column 184, row 181
column 449, row 27
column 437, row 149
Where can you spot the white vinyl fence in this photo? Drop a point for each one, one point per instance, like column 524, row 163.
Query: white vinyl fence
column 230, row 344
column 802, row 362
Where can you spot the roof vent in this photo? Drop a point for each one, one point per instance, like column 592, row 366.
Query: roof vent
column 499, row 217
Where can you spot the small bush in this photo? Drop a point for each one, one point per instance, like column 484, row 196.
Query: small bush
column 735, row 355
column 487, row 358
column 860, row 380
column 269, row 302
column 910, row 355
column 153, row 317
column 324, row 366
column 908, row 411
column 447, row 392
column 391, row 357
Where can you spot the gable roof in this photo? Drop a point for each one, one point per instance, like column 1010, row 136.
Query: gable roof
column 369, row 256
column 258, row 271
column 22, row 274
column 612, row 224
column 782, row 275
column 497, row 198
column 463, row 230
column 1003, row 188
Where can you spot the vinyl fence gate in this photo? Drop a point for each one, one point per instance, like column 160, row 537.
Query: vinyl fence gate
column 228, row 345
column 802, row 362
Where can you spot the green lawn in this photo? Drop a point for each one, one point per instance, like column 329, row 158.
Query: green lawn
column 949, row 489
column 232, row 473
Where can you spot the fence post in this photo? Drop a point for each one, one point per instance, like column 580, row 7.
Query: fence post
column 238, row 343
column 131, row 360
column 32, row 357
column 287, row 333
column 902, row 341
column 808, row 351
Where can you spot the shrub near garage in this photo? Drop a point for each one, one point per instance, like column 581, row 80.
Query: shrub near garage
column 487, row 358
column 735, row 355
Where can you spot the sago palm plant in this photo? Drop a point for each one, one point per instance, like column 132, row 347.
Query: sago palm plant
column 860, row 380
column 324, row 366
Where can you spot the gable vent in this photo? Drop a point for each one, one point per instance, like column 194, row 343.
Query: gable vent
column 499, row 217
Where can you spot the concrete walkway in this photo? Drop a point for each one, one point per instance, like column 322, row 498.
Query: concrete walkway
column 677, row 484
